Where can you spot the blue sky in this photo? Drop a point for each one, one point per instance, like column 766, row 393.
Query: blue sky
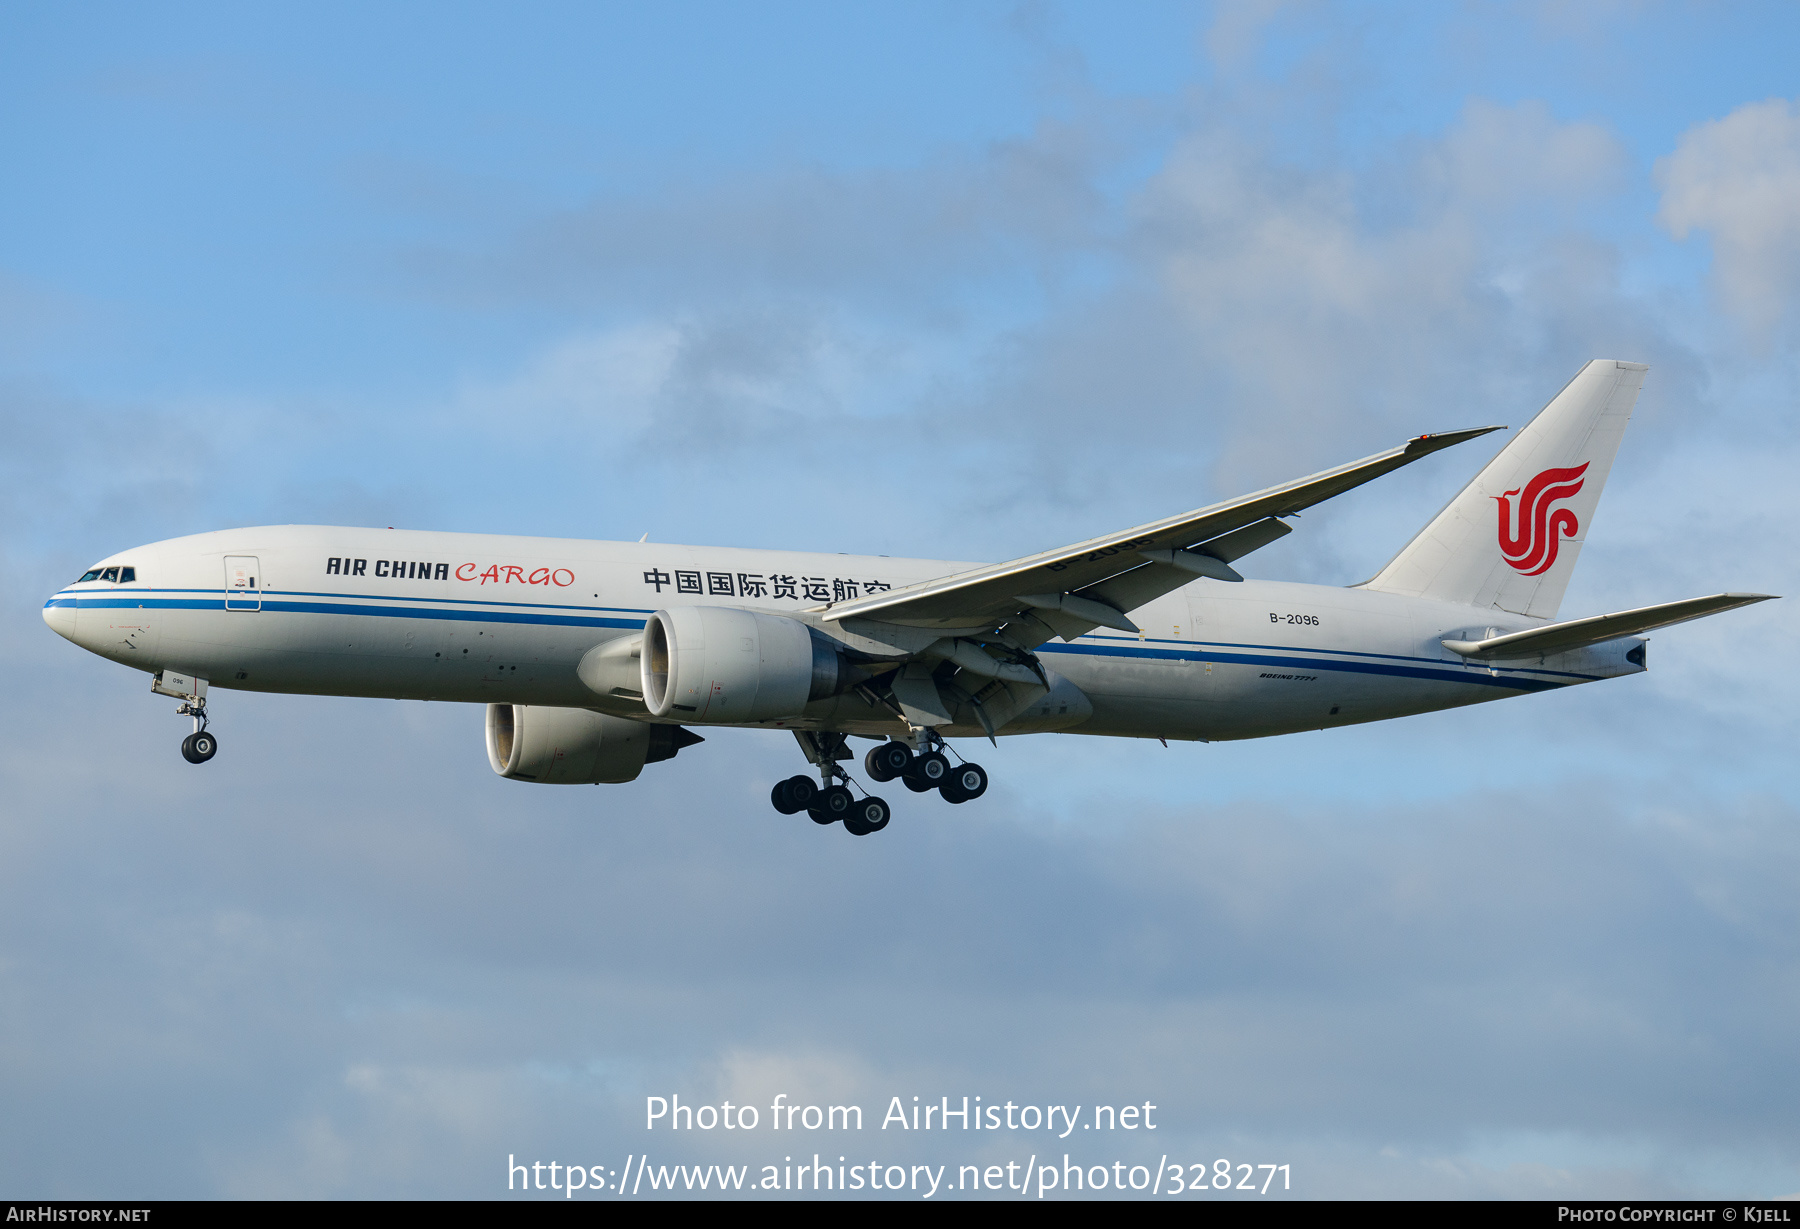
column 960, row 281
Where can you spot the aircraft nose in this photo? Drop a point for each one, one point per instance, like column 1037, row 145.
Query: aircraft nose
column 59, row 613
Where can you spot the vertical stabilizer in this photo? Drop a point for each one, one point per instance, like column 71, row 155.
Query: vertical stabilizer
column 1511, row 538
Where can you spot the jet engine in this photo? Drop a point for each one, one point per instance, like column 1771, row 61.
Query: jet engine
column 574, row 746
column 723, row 666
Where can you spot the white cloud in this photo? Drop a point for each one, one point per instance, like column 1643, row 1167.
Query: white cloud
column 1738, row 178
column 607, row 383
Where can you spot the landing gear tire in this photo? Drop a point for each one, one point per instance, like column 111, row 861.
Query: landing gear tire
column 964, row 784
column 869, row 815
column 831, row 804
column 888, row 761
column 793, row 795
column 927, row 772
column 197, row 748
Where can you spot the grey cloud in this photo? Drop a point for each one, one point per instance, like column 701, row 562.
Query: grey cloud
column 1266, row 320
column 82, row 478
column 398, row 969
column 1313, row 318
column 1257, row 319
column 902, row 233
column 72, row 473
column 1238, row 28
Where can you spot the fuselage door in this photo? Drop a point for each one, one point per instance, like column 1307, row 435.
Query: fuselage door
column 243, row 583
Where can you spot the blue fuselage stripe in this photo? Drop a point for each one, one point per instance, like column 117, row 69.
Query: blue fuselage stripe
column 1268, row 658
column 625, row 618
column 244, row 603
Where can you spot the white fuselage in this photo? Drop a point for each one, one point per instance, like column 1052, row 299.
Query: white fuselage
column 477, row 618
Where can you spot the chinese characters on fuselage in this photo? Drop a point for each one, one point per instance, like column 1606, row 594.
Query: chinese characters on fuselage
column 758, row 585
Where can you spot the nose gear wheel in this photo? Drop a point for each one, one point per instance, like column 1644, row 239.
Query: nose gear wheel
column 199, row 747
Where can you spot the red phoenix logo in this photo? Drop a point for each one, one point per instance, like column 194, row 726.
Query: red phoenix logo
column 1529, row 540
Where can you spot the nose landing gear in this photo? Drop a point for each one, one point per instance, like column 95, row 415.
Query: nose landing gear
column 200, row 746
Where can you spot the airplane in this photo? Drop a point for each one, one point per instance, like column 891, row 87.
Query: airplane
column 594, row 659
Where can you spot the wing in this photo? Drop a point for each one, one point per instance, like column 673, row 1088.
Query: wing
column 1579, row 633
column 1071, row 584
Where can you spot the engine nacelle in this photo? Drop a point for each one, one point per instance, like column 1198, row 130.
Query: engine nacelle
column 574, row 746
column 723, row 666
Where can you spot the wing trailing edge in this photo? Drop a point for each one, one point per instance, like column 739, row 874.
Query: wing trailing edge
column 985, row 595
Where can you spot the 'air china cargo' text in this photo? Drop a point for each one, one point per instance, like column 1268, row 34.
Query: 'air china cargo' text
column 468, row 573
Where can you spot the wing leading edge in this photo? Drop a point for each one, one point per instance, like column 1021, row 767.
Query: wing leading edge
column 1074, row 580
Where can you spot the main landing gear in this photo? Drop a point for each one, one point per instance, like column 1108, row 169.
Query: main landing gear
column 834, row 799
column 829, row 804
column 927, row 771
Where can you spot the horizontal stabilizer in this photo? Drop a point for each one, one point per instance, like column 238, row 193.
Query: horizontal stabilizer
column 1578, row 633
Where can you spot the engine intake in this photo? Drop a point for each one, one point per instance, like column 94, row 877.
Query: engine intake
column 723, row 666
column 575, row 746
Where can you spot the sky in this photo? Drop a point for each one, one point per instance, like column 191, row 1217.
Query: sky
column 950, row 280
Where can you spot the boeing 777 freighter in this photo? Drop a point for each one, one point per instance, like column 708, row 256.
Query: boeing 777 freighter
column 595, row 658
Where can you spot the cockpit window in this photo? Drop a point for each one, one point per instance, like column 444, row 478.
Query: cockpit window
column 118, row 575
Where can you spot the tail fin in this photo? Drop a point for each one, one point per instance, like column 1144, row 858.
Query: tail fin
column 1510, row 539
